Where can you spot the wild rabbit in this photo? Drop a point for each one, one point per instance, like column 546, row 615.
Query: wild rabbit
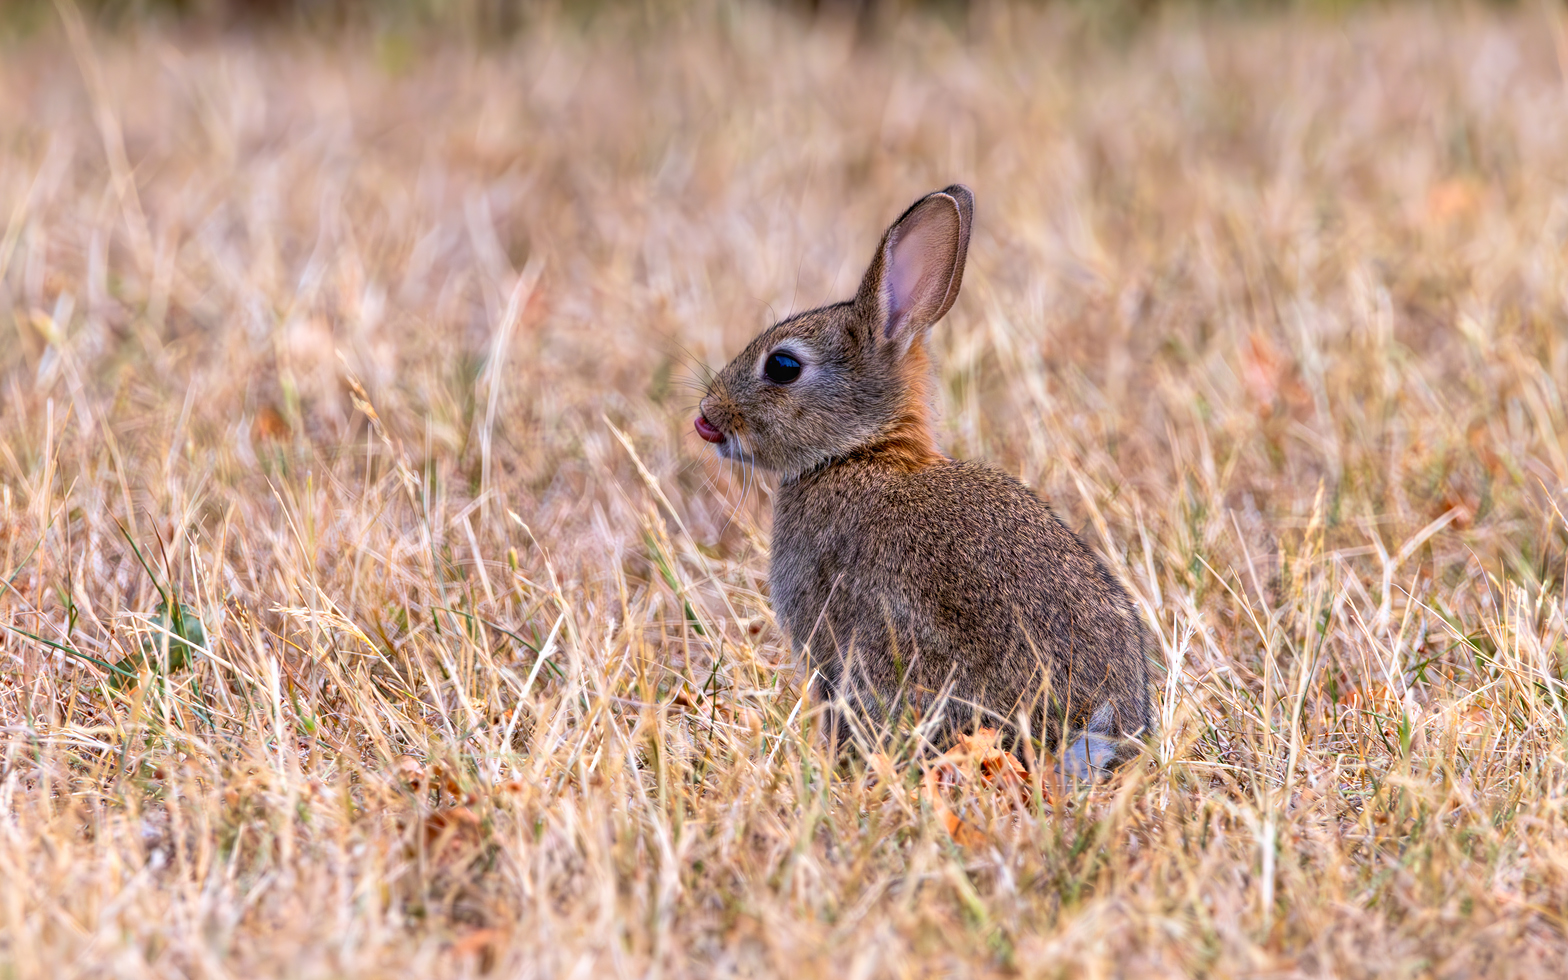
column 908, row 580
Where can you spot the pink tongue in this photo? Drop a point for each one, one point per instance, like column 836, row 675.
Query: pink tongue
column 707, row 431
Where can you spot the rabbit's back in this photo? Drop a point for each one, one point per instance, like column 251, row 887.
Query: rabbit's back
column 901, row 583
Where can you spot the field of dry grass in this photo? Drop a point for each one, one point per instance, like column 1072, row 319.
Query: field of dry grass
column 372, row 609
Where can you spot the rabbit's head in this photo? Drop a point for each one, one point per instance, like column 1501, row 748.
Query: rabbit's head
column 823, row 384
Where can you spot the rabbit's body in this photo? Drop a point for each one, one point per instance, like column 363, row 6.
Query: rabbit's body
column 1022, row 619
column 907, row 579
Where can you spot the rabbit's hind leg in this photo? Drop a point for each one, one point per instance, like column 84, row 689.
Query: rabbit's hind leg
column 1094, row 751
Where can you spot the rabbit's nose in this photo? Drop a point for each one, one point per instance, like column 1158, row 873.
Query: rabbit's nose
column 707, row 431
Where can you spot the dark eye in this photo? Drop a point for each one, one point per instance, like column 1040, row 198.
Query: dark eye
column 780, row 368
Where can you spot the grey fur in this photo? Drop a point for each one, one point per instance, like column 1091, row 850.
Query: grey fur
column 908, row 580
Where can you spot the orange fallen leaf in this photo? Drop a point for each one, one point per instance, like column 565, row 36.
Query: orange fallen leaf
column 1375, row 698
column 453, row 788
column 481, row 943
column 270, row 424
column 410, row 771
column 1272, row 378
column 453, row 823
column 1474, row 722
column 978, row 753
column 1453, row 198
column 981, row 748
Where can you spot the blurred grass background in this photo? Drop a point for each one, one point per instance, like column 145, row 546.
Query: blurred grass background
column 497, row 20
column 369, row 607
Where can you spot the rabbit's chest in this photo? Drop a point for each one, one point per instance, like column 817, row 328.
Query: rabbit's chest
column 802, row 568
column 829, row 549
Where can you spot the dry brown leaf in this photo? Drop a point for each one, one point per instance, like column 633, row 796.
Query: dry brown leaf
column 1453, row 198
column 411, row 772
column 477, row 941
column 457, row 823
column 977, row 754
column 1272, row 378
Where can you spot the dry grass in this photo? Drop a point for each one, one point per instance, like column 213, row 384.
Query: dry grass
column 1272, row 310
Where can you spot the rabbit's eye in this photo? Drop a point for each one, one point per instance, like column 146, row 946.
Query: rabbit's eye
column 780, row 368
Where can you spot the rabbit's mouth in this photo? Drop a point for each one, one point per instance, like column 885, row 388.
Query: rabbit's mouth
column 729, row 446
column 708, row 431
column 727, row 443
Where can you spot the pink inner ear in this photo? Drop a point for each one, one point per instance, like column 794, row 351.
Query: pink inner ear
column 920, row 267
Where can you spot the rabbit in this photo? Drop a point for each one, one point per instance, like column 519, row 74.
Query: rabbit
column 906, row 579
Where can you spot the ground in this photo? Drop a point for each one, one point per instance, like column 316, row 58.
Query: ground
column 372, row 608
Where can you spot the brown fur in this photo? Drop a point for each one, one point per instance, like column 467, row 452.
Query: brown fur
column 910, row 443
column 906, row 579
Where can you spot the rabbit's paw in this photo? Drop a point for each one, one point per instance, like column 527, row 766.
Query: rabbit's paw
column 1089, row 757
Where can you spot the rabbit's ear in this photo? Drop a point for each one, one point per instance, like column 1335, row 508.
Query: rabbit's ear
column 915, row 275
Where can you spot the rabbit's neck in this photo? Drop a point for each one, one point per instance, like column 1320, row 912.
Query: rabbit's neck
column 907, row 449
column 909, row 444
